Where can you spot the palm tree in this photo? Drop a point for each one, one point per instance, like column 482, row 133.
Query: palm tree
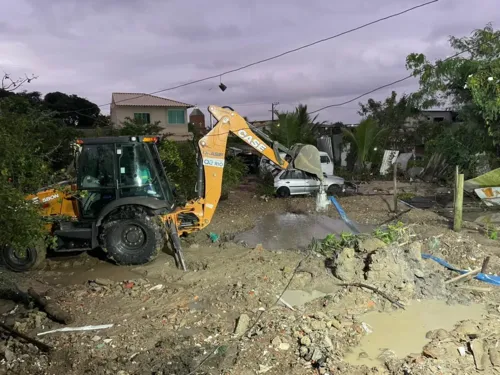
column 365, row 140
column 295, row 127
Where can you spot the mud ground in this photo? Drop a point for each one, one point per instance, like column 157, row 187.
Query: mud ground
column 166, row 321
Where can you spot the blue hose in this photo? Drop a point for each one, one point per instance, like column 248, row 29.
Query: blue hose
column 490, row 279
column 343, row 215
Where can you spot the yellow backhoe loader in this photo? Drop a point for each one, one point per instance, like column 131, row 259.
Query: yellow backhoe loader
column 129, row 209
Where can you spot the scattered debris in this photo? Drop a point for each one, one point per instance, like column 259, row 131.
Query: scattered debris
column 51, row 308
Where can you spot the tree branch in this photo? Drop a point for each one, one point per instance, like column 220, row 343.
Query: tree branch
column 8, row 84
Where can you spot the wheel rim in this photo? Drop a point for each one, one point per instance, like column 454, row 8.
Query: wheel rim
column 18, row 258
column 133, row 237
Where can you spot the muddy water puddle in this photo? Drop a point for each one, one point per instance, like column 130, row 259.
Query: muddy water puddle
column 403, row 331
column 293, row 231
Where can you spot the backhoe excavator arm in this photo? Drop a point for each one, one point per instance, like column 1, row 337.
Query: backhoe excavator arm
column 211, row 160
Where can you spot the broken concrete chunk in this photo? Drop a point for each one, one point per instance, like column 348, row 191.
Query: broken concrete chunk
column 276, row 342
column 242, row 325
column 316, row 355
column 9, row 355
column 284, row 346
column 327, row 342
column 318, row 325
column 494, row 357
column 320, row 315
column 467, row 328
column 477, row 347
column 334, row 323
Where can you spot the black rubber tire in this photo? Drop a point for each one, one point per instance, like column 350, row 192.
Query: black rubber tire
column 334, row 190
column 283, row 192
column 35, row 257
column 149, row 232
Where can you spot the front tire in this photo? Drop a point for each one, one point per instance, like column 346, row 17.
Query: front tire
column 30, row 259
column 334, row 190
column 283, row 192
column 132, row 239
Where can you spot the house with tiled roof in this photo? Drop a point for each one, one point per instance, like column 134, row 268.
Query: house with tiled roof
column 170, row 114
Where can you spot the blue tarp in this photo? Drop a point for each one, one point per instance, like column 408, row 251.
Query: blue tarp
column 491, row 279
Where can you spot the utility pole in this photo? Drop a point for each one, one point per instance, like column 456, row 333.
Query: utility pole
column 274, row 104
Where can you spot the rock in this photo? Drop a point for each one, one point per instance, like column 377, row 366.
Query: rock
column 121, row 372
column 363, row 355
column 9, row 355
column 320, row 315
column 371, row 244
column 194, row 246
column 96, row 338
column 303, row 351
column 318, row 325
column 306, row 328
column 415, row 251
column 316, row 355
column 442, row 334
column 242, row 325
column 419, row 273
column 334, row 323
column 276, row 342
column 305, row 340
column 467, row 328
column 284, row 346
column 327, row 342
column 103, row 282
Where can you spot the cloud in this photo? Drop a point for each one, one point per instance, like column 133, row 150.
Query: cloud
column 92, row 48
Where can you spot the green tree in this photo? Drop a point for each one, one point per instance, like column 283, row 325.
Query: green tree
column 137, row 127
column 75, row 111
column 295, row 127
column 31, row 143
column 392, row 114
column 365, row 140
column 462, row 80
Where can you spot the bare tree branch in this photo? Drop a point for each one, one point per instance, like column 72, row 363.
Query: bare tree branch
column 8, row 84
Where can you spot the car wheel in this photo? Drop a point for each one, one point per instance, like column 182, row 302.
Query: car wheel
column 133, row 240
column 22, row 261
column 334, row 189
column 283, row 192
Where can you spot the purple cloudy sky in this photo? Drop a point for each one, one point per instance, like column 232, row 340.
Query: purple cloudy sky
column 94, row 47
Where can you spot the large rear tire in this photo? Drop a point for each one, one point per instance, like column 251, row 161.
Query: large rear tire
column 132, row 237
column 334, row 190
column 27, row 260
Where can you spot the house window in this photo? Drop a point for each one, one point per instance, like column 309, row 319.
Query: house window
column 176, row 116
column 438, row 119
column 143, row 118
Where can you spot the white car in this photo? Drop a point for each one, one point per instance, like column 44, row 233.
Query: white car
column 294, row 182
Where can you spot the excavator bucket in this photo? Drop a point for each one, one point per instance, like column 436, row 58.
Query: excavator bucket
column 307, row 159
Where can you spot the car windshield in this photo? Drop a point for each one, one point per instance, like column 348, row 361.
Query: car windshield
column 325, row 159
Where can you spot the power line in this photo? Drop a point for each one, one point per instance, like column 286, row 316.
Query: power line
column 379, row 87
column 347, row 101
column 273, row 57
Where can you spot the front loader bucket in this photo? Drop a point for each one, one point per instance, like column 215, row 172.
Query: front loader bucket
column 306, row 158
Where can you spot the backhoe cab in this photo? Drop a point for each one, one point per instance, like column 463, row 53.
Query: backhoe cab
column 122, row 200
